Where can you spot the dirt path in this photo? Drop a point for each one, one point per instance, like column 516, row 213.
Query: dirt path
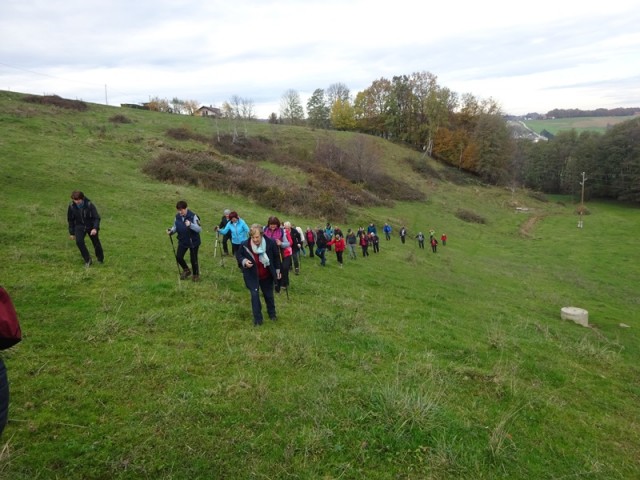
column 527, row 227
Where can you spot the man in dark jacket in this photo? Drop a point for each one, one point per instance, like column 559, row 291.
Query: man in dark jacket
column 227, row 236
column 259, row 259
column 83, row 218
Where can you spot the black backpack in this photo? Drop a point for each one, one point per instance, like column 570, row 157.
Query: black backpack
column 10, row 332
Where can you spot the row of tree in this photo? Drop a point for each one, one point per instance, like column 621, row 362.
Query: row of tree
column 472, row 134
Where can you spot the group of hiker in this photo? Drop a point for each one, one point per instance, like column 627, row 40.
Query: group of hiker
column 265, row 253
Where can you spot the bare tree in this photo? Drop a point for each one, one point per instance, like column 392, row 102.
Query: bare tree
column 291, row 110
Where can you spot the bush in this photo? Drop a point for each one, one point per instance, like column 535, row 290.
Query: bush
column 470, row 217
column 183, row 133
column 541, row 197
column 57, row 101
column 119, row 118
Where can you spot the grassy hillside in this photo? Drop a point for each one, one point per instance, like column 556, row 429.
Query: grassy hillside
column 579, row 124
column 404, row 365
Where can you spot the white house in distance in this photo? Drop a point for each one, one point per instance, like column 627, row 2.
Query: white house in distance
column 209, row 112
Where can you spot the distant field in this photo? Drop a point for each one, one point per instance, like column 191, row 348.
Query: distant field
column 580, row 124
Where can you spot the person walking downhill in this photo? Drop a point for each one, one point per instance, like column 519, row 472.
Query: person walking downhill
column 259, row 259
column 83, row 218
column 340, row 245
column 387, row 231
column 420, row 238
column 187, row 226
column 303, row 242
column 321, row 246
column 311, row 240
column 239, row 231
column 403, row 234
column 352, row 242
column 227, row 236
column 273, row 230
column 443, row 239
column 364, row 243
column 434, row 244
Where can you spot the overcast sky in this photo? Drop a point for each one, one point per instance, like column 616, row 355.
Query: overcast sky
column 528, row 56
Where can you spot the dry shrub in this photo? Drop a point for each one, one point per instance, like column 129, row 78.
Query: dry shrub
column 119, row 118
column 388, row 188
column 197, row 168
column 57, row 101
column 582, row 210
column 470, row 217
column 183, row 133
column 249, row 148
column 423, row 168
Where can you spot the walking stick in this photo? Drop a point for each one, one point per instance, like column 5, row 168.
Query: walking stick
column 175, row 255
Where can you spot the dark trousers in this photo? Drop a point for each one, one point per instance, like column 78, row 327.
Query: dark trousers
column 320, row 252
column 225, row 239
column 339, row 257
column 234, row 248
column 402, row 238
column 80, row 233
column 296, row 259
column 193, row 253
column 387, row 235
column 421, row 243
column 311, row 245
column 266, row 286
column 284, row 269
column 365, row 250
column 376, row 247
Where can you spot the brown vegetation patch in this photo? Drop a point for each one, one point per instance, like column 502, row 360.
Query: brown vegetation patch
column 56, row 101
column 119, row 118
column 541, row 197
column 183, row 133
column 249, row 148
column 470, row 217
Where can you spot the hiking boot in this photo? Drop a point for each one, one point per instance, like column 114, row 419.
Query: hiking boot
column 186, row 273
column 297, row 271
column 196, row 278
column 88, row 263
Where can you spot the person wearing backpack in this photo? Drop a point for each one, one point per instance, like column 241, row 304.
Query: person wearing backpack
column 420, row 237
column 274, row 231
column 83, row 219
column 321, row 246
column 187, row 226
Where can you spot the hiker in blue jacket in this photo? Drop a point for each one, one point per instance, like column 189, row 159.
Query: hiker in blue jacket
column 239, row 231
column 83, row 219
column 187, row 226
column 259, row 259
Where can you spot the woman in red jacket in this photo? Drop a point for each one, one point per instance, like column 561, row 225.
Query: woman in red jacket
column 340, row 245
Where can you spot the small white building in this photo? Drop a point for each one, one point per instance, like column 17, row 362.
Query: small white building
column 209, row 112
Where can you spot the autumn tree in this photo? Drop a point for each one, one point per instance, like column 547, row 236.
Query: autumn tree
column 342, row 115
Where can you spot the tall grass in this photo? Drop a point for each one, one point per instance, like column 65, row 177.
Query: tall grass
column 405, row 364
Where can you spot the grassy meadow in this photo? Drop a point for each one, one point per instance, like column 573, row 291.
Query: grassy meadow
column 403, row 365
column 579, row 124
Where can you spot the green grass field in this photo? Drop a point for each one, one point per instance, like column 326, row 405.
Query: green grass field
column 579, row 124
column 403, row 365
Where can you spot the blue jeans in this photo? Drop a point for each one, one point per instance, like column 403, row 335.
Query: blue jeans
column 320, row 253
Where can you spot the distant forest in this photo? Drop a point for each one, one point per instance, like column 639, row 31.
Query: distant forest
column 576, row 113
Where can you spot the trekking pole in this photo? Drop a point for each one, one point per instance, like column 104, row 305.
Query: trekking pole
column 215, row 246
column 175, row 255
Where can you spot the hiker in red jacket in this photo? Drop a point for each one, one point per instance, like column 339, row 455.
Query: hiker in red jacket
column 340, row 245
column 434, row 244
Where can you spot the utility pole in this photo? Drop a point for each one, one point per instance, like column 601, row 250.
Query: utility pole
column 106, row 100
column 584, row 179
